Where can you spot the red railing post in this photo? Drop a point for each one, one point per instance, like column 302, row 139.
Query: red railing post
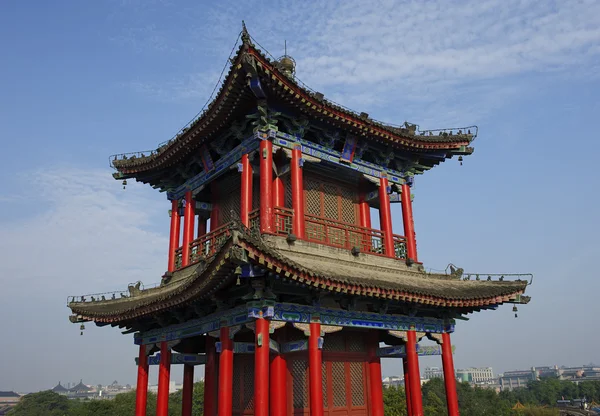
column 266, row 182
column 385, row 216
column 174, row 234
column 409, row 224
column 297, row 192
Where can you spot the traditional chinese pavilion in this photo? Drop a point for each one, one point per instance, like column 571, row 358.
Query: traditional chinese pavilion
column 277, row 282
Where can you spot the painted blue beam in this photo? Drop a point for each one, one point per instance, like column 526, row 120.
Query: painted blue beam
column 221, row 166
column 176, row 358
column 333, row 156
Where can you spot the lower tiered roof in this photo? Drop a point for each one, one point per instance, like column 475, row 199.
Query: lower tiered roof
column 304, row 266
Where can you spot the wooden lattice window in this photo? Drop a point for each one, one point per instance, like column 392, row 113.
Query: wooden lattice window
column 300, row 383
column 229, row 198
column 334, row 201
column 243, row 384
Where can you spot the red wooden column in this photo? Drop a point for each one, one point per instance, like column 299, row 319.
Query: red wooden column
column 201, row 225
column 315, row 381
column 365, row 218
column 266, row 182
column 278, row 388
column 164, row 377
column 375, row 376
column 225, row 374
column 297, row 192
column 449, row 377
column 407, row 387
column 174, row 234
column 385, row 217
column 261, row 368
column 210, row 381
column 215, row 215
column 141, row 392
column 188, row 228
column 416, row 399
column 246, row 191
column 409, row 223
column 188, row 390
column 278, row 192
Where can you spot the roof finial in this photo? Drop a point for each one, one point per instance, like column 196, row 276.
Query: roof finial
column 245, row 34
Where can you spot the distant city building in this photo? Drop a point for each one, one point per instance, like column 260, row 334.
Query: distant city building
column 433, row 372
column 8, row 400
column 475, row 375
column 173, row 387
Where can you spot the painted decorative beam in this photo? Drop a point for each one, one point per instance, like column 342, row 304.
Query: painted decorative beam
column 289, row 312
column 400, row 351
column 219, row 167
column 176, row 358
column 333, row 156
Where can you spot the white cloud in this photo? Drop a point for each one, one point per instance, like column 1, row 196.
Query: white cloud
column 86, row 235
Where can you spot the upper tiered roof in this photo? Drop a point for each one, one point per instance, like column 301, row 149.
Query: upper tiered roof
column 251, row 75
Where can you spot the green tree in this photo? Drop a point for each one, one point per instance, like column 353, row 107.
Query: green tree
column 44, row 403
column 394, row 401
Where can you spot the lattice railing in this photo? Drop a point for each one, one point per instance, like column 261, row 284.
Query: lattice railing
column 208, row 244
column 343, row 235
column 283, row 220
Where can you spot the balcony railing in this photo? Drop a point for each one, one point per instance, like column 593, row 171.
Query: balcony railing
column 208, row 244
column 317, row 230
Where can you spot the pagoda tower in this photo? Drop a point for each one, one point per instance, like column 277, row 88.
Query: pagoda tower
column 276, row 282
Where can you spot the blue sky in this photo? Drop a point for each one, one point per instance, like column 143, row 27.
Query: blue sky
column 80, row 81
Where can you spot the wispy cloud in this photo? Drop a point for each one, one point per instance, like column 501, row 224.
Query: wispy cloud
column 381, row 54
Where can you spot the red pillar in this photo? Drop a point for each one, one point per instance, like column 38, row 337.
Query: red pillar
column 278, row 390
column 188, row 228
column 141, row 392
column 266, row 182
column 225, row 374
column 261, row 368
column 365, row 211
column 210, row 382
column 375, row 376
column 278, row 192
column 409, row 223
column 449, row 377
column 416, row 398
column 215, row 215
column 164, row 376
column 407, row 387
column 174, row 234
column 201, row 226
column 297, row 192
column 314, row 370
column 188, row 390
column 385, row 217
column 246, row 196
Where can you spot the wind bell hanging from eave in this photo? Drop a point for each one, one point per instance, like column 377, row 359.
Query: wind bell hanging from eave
column 125, row 182
column 81, row 328
column 515, row 310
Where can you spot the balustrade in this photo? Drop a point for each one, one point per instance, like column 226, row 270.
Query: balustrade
column 208, row 244
column 318, row 230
